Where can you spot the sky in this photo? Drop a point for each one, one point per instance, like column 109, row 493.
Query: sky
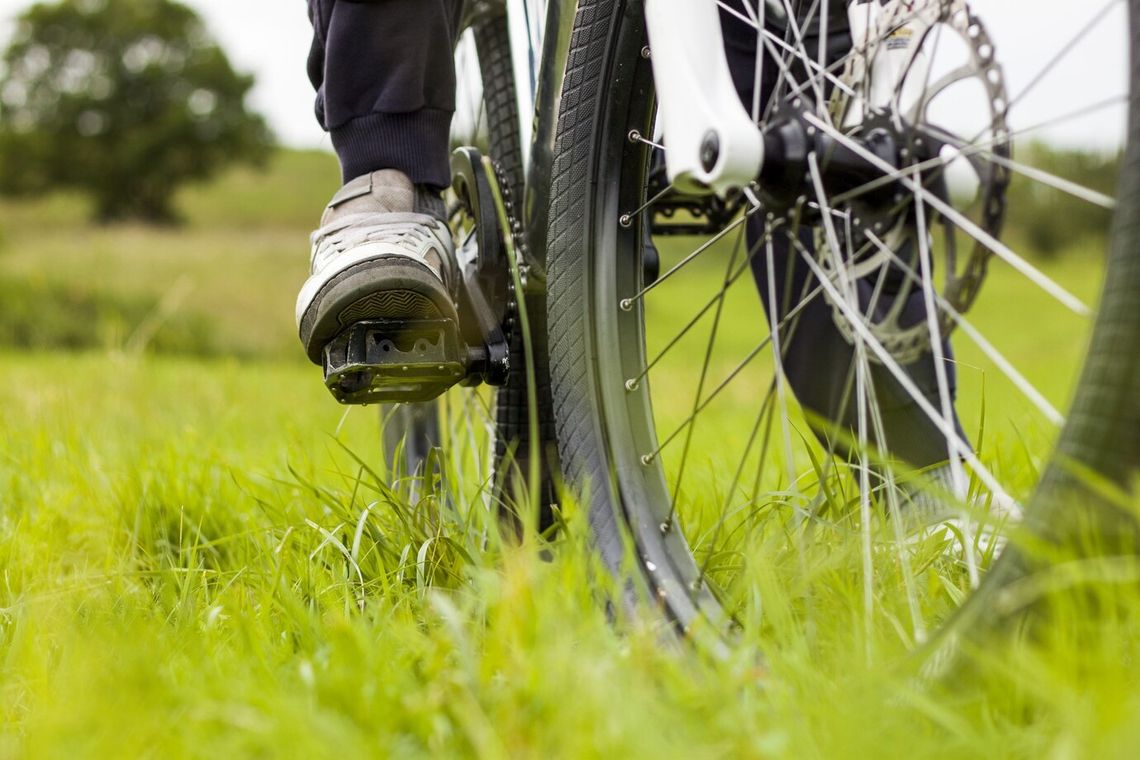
column 270, row 38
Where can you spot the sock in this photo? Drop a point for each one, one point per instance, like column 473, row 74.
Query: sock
column 429, row 201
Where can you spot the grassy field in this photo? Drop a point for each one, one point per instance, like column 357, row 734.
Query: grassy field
column 200, row 555
column 223, row 283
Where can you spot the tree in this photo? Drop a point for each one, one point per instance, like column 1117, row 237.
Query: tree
column 124, row 100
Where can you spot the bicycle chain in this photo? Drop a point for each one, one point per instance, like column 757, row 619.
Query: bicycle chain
column 519, row 250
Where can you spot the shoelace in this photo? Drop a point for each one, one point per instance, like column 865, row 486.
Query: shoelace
column 406, row 233
column 354, row 229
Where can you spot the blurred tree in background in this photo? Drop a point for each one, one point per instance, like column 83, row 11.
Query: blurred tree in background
column 123, row 100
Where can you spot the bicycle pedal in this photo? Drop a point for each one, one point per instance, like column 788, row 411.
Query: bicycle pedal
column 394, row 361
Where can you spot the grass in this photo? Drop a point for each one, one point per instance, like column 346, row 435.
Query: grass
column 169, row 588
column 180, row 573
column 235, row 265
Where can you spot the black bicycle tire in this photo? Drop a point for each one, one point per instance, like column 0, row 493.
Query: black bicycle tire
column 1103, row 429
column 512, row 415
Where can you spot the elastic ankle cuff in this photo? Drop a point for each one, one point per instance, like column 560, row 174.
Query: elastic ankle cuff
column 415, row 143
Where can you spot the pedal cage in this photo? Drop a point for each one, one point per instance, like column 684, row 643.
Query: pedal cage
column 389, row 360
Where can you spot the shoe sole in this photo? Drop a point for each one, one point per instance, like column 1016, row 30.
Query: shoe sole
column 385, row 288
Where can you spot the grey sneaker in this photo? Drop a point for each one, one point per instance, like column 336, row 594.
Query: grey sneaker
column 375, row 257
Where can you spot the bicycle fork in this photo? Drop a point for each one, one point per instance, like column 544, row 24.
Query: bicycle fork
column 713, row 142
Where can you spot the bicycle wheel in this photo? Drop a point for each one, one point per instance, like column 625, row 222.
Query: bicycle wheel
column 788, row 378
column 485, row 435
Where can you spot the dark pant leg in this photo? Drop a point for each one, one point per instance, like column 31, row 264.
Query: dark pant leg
column 818, row 359
column 385, row 79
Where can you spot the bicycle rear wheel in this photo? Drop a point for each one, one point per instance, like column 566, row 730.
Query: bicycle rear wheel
column 691, row 411
column 484, row 435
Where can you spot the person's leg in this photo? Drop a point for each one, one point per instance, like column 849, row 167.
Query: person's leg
column 818, row 358
column 385, row 82
column 385, row 77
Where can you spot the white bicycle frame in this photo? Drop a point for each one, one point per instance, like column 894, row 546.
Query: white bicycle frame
column 713, row 141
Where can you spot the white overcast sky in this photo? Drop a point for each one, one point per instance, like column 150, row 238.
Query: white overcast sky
column 270, row 38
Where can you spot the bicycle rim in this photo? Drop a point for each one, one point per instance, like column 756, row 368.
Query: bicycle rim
column 694, row 508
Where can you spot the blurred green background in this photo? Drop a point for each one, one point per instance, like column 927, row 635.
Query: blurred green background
column 201, row 555
column 222, row 282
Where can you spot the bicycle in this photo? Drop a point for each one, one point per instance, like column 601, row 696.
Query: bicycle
column 824, row 183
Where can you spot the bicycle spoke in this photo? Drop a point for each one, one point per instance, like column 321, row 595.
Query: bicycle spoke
column 1079, row 113
column 1063, row 53
column 821, row 52
column 771, row 39
column 758, row 79
column 1031, row 272
column 974, row 147
column 787, row 326
column 957, row 444
column 864, row 395
column 632, row 383
column 802, row 54
column 785, row 78
column 765, row 410
column 700, row 386
column 933, row 325
column 781, row 64
column 862, row 373
column 861, row 398
column 894, row 514
column 627, row 218
column 840, row 63
column 637, row 137
column 627, row 303
column 1039, row 175
column 749, row 358
column 778, row 357
column 1011, row 372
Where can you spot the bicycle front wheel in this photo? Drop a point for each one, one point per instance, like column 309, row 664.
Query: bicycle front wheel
column 766, row 384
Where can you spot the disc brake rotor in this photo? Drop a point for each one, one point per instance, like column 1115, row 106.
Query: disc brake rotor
column 908, row 25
